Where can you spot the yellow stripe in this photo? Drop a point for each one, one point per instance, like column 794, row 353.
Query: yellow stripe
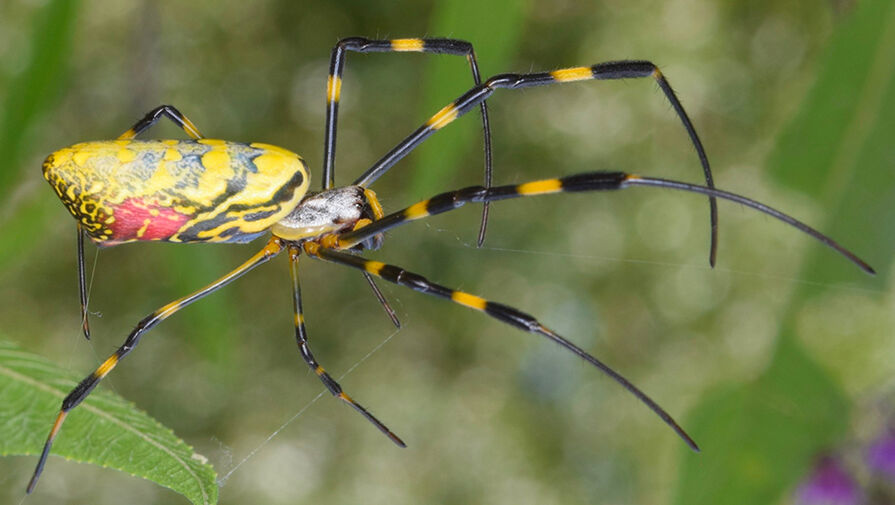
column 319, row 370
column 218, row 161
column 125, row 155
column 361, row 223
column 333, row 88
column 374, row 203
column 469, row 300
column 167, row 310
column 58, row 424
column 407, row 45
column 107, row 366
column 128, row 135
column 142, row 230
column 443, row 117
column 572, row 74
column 539, row 187
column 81, row 157
column 374, row 267
column 417, row 210
column 172, row 155
column 190, row 128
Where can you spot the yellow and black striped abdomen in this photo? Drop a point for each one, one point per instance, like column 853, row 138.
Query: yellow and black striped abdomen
column 176, row 190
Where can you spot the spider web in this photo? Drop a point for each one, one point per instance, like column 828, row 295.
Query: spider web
column 223, row 479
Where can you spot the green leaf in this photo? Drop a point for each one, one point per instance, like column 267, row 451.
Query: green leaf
column 840, row 150
column 31, row 93
column 761, row 438
column 105, row 430
column 758, row 438
column 28, row 226
column 35, row 89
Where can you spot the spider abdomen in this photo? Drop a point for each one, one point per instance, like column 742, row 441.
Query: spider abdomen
column 176, row 190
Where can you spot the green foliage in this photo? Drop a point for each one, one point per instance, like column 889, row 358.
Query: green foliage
column 487, row 417
column 105, row 430
column 758, row 438
column 761, row 437
column 29, row 95
column 839, row 149
column 38, row 85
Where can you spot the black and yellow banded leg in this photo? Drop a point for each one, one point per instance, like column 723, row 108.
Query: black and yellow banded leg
column 301, row 338
column 414, row 45
column 589, row 181
column 361, row 45
column 157, row 113
column 83, row 389
column 602, row 71
column 82, row 283
column 501, row 312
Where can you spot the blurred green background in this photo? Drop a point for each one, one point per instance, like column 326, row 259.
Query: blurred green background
column 781, row 352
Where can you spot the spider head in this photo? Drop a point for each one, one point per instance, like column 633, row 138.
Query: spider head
column 328, row 212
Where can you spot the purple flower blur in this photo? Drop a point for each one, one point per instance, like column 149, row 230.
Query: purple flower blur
column 829, row 484
column 881, row 455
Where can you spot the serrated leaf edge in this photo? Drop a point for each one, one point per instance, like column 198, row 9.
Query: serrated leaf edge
column 86, row 406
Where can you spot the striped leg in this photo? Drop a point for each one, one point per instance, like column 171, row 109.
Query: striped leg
column 600, row 71
column 498, row 311
column 589, row 181
column 301, row 338
column 80, row 392
column 154, row 115
column 362, row 45
column 82, row 283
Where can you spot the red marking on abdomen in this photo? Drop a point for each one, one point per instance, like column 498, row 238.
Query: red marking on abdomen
column 134, row 214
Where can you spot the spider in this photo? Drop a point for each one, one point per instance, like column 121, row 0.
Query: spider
column 205, row 190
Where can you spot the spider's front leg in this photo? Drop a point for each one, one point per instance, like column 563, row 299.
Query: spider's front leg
column 611, row 70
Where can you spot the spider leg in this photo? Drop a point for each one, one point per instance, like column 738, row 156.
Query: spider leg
column 376, row 210
column 498, row 311
column 157, row 113
column 362, row 45
column 83, row 389
column 602, row 71
column 82, row 283
column 589, row 181
column 390, row 312
column 301, row 338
